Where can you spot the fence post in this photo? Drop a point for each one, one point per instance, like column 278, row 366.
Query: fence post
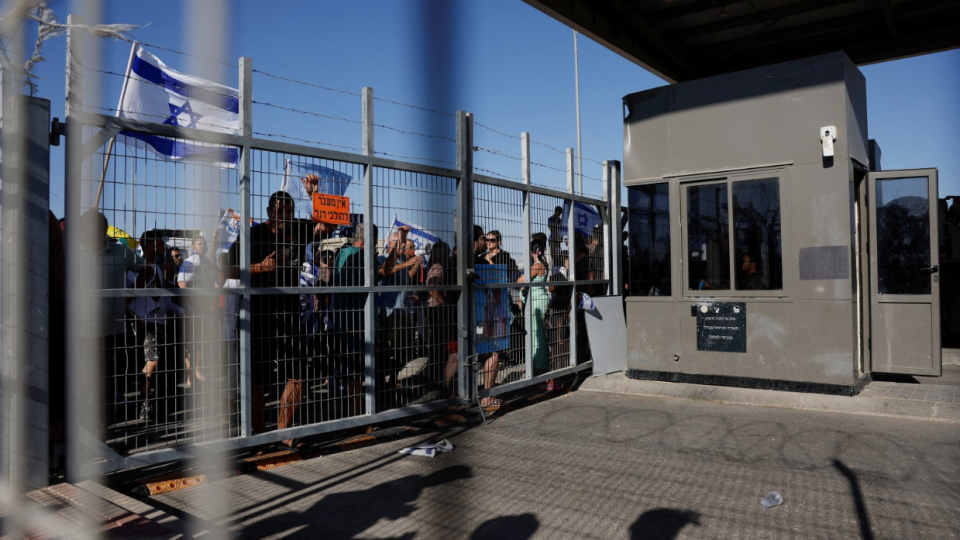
column 25, row 366
column 607, row 229
column 616, row 246
column 83, row 386
column 528, row 266
column 572, row 259
column 464, row 217
column 369, row 258
column 245, row 323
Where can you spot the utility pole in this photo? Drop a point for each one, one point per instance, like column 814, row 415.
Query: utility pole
column 576, row 72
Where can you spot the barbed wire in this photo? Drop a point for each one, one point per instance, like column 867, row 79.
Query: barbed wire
column 141, row 113
column 592, row 160
column 139, row 80
column 548, row 167
column 427, row 135
column 301, row 111
column 305, row 83
column 545, row 145
column 484, row 126
column 418, row 107
column 175, row 51
column 292, row 138
column 496, row 174
column 415, row 157
column 495, row 152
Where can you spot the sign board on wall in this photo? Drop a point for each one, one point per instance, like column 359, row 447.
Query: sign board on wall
column 332, row 209
column 722, row 326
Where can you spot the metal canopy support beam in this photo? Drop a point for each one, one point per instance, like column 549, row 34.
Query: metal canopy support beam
column 888, row 18
column 760, row 17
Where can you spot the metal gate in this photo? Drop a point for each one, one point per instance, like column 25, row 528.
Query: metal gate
column 202, row 354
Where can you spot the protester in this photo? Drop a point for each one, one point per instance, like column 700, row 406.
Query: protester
column 276, row 247
column 440, row 315
column 398, row 310
column 453, row 349
column 107, row 263
column 151, row 316
column 198, row 272
column 494, row 254
column 349, row 339
column 539, row 299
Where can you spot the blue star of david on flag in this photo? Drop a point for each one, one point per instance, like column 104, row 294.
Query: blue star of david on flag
column 176, row 111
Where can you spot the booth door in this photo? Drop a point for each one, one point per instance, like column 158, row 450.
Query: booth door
column 904, row 278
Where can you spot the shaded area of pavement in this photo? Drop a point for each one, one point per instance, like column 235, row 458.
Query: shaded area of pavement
column 923, row 398
column 594, row 465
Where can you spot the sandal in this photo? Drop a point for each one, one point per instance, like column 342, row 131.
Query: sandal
column 491, row 401
column 294, row 445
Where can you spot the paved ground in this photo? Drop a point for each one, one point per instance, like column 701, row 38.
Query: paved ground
column 595, row 465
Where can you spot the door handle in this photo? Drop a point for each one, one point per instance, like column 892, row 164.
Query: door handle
column 933, row 269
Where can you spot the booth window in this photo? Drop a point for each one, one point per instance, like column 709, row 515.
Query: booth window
column 903, row 236
column 752, row 238
column 756, row 215
column 708, row 237
column 647, row 265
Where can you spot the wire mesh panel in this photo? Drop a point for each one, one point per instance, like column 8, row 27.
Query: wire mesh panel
column 550, row 306
column 307, row 345
column 498, row 264
column 164, row 374
column 416, row 329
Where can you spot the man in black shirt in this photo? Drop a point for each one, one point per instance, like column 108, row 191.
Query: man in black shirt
column 277, row 247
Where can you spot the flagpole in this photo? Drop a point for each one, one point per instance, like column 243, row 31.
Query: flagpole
column 123, row 92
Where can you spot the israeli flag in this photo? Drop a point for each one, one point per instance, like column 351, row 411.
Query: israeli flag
column 152, row 92
column 585, row 218
column 422, row 238
column 332, row 182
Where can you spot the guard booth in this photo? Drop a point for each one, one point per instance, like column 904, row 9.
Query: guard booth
column 763, row 250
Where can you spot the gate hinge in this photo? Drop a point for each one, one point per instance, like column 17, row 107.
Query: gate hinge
column 56, row 130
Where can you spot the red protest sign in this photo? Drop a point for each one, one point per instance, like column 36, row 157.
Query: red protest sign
column 332, row 209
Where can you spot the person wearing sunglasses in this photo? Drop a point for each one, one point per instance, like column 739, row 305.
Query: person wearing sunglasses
column 495, row 255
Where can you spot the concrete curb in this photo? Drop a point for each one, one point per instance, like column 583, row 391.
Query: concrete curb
column 618, row 383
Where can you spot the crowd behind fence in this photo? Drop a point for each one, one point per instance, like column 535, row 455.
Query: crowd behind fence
column 216, row 310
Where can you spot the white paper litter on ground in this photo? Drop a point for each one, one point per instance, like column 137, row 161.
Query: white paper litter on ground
column 428, row 450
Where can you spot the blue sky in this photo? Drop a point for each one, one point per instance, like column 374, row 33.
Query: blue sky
column 502, row 60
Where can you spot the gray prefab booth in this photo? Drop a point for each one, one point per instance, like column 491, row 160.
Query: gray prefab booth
column 763, row 250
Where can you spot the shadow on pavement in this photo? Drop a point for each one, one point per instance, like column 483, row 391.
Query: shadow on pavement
column 662, row 524
column 862, row 518
column 347, row 514
column 519, row 527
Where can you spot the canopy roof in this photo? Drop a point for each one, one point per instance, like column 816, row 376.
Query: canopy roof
column 680, row 40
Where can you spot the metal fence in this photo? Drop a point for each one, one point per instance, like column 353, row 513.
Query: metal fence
column 288, row 331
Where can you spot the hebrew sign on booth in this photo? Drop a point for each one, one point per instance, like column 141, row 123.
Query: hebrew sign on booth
column 332, row 209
